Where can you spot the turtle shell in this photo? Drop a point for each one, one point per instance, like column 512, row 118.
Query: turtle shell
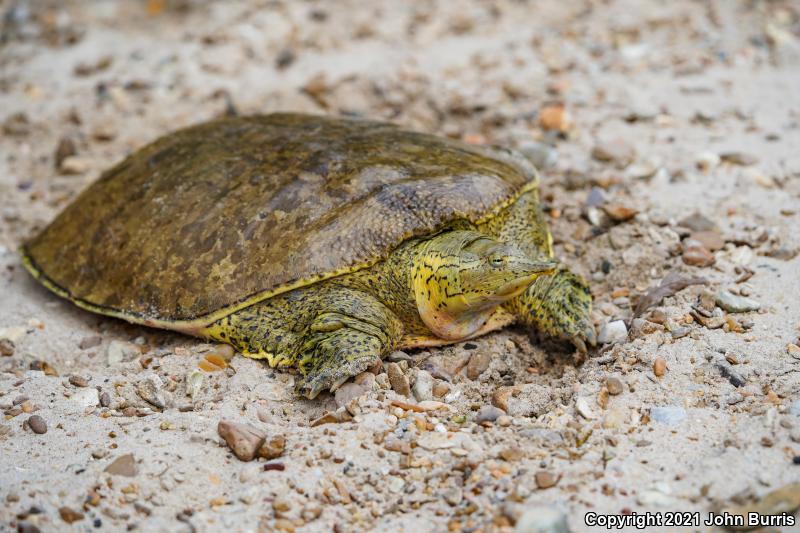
column 215, row 217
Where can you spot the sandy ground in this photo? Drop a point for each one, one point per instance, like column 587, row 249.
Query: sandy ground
column 643, row 113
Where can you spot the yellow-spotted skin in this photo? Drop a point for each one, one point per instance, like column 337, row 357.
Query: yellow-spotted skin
column 315, row 243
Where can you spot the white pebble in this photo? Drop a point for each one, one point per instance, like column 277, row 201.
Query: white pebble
column 613, row 332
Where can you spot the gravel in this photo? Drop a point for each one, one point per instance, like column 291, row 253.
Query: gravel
column 491, row 73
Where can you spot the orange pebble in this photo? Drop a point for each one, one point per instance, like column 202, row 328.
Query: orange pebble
column 659, row 366
column 208, row 366
column 215, row 359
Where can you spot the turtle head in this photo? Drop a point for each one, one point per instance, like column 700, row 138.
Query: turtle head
column 460, row 277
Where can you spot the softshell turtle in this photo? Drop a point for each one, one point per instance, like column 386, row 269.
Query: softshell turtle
column 314, row 242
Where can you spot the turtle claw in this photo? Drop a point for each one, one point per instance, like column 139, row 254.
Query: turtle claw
column 579, row 344
column 309, row 390
column 331, row 377
column 587, row 336
column 333, row 365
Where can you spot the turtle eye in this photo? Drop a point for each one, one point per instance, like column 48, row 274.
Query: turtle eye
column 497, row 260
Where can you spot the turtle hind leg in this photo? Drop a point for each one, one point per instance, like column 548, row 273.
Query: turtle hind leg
column 350, row 333
column 558, row 305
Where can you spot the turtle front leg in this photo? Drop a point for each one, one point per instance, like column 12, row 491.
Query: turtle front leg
column 558, row 305
column 328, row 332
column 349, row 334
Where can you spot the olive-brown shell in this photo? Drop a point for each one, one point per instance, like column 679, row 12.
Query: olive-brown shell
column 216, row 216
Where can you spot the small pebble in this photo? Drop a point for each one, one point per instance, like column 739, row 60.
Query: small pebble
column 735, row 304
column 453, row 496
column 738, row 158
column 37, row 424
column 69, row 515
column 502, row 395
column 602, row 397
column 74, row 164
column 742, row 255
column 582, row 406
column 78, row 381
column 488, row 413
column 620, row 213
column 613, row 332
column 655, row 498
column 27, row 527
column 124, row 465
column 641, row 170
column 440, row 388
column 398, row 380
column 120, row 351
column 734, row 377
column 347, row 393
column 284, row 58
column 698, row 255
column 149, row 390
column 99, row 453
column 615, row 417
column 281, row 504
column 511, row 454
column 555, row 117
column 366, row 380
column 542, row 519
column 698, row 222
column 423, row 386
column 735, row 398
column 87, row 397
column 668, row 415
column 616, row 151
column 243, row 439
column 711, row 240
column 90, row 342
column 6, row 347
column 398, row 355
column 657, row 316
column 194, row 383
column 545, row 479
column 223, row 351
column 614, row 386
column 66, row 148
column 706, row 300
column 659, row 366
column 478, row 364
column 543, row 156
column 678, row 332
column 272, row 447
column 706, row 161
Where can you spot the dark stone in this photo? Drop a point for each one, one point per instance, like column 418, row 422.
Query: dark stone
column 733, row 376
